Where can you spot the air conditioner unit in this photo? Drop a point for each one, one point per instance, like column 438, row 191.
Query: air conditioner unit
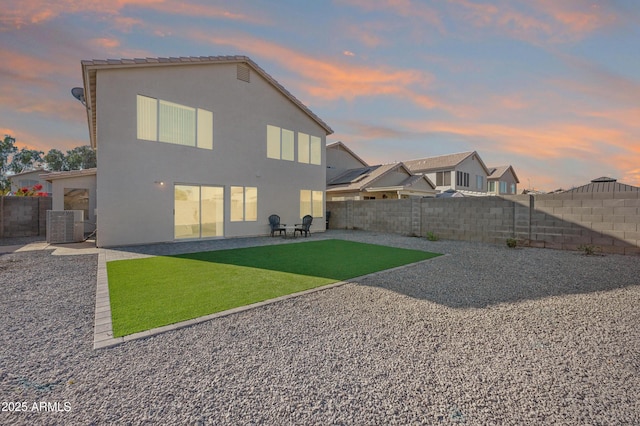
column 65, row 226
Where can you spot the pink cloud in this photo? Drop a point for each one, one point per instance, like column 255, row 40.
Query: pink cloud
column 28, row 69
column 417, row 10
column 599, row 82
column 329, row 81
column 18, row 13
column 26, row 138
column 367, row 34
column 105, row 43
column 537, row 20
column 203, row 10
column 577, row 16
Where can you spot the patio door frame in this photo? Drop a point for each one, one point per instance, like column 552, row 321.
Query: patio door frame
column 219, row 212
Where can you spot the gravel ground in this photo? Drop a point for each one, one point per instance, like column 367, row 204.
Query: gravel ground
column 485, row 335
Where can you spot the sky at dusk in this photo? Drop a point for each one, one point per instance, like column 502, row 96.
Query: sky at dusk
column 551, row 87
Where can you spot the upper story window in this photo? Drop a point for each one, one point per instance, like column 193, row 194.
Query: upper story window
column 443, row 178
column 165, row 121
column 492, row 186
column 281, row 146
column 309, row 149
column 280, row 143
column 503, row 187
column 479, row 183
column 462, row 179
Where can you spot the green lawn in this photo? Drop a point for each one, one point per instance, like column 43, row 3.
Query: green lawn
column 152, row 292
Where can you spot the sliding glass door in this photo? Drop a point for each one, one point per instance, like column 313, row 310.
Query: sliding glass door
column 198, row 211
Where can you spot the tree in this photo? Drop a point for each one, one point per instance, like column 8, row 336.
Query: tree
column 25, row 159
column 7, row 149
column 55, row 160
column 81, row 157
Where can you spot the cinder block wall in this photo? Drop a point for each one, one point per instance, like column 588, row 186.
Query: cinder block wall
column 488, row 219
column 608, row 221
column 560, row 221
column 23, row 216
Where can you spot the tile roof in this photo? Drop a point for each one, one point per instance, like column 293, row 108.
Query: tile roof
column 341, row 145
column 604, row 179
column 355, row 179
column 90, row 67
column 499, row 171
column 606, row 186
column 69, row 174
column 442, row 162
column 439, row 162
column 39, row 170
column 369, row 177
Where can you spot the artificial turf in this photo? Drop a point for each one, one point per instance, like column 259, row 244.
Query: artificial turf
column 156, row 291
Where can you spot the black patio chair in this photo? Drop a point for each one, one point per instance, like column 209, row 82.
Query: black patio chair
column 304, row 226
column 276, row 226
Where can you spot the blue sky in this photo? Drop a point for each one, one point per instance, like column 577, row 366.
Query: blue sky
column 550, row 87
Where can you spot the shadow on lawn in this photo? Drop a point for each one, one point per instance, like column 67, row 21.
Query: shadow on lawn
column 501, row 275
column 333, row 259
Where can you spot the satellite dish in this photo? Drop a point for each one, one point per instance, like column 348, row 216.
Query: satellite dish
column 78, row 93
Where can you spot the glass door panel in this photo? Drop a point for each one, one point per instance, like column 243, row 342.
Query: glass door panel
column 187, row 211
column 212, row 211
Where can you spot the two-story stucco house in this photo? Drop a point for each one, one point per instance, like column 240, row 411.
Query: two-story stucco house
column 502, row 181
column 464, row 172
column 199, row 147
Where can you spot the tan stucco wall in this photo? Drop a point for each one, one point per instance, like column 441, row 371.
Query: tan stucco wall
column 509, row 179
column 392, row 179
column 133, row 208
column 339, row 160
column 474, row 168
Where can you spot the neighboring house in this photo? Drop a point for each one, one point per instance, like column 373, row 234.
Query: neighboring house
column 199, row 147
column 503, row 181
column 340, row 159
column 605, row 185
column 75, row 190
column 351, row 178
column 30, row 178
column 464, row 172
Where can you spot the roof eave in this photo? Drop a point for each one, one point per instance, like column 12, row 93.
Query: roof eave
column 342, row 145
column 91, row 67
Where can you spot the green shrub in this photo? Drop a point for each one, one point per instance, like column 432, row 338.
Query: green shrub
column 512, row 242
column 588, row 249
column 432, row 237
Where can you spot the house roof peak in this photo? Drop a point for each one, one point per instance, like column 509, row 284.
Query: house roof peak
column 90, row 68
column 442, row 162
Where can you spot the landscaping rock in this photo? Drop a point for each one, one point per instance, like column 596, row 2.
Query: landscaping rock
column 483, row 335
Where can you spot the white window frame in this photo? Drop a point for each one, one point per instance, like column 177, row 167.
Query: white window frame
column 304, row 152
column 311, row 203
column 242, row 210
column 462, row 179
column 280, row 143
column 149, row 123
